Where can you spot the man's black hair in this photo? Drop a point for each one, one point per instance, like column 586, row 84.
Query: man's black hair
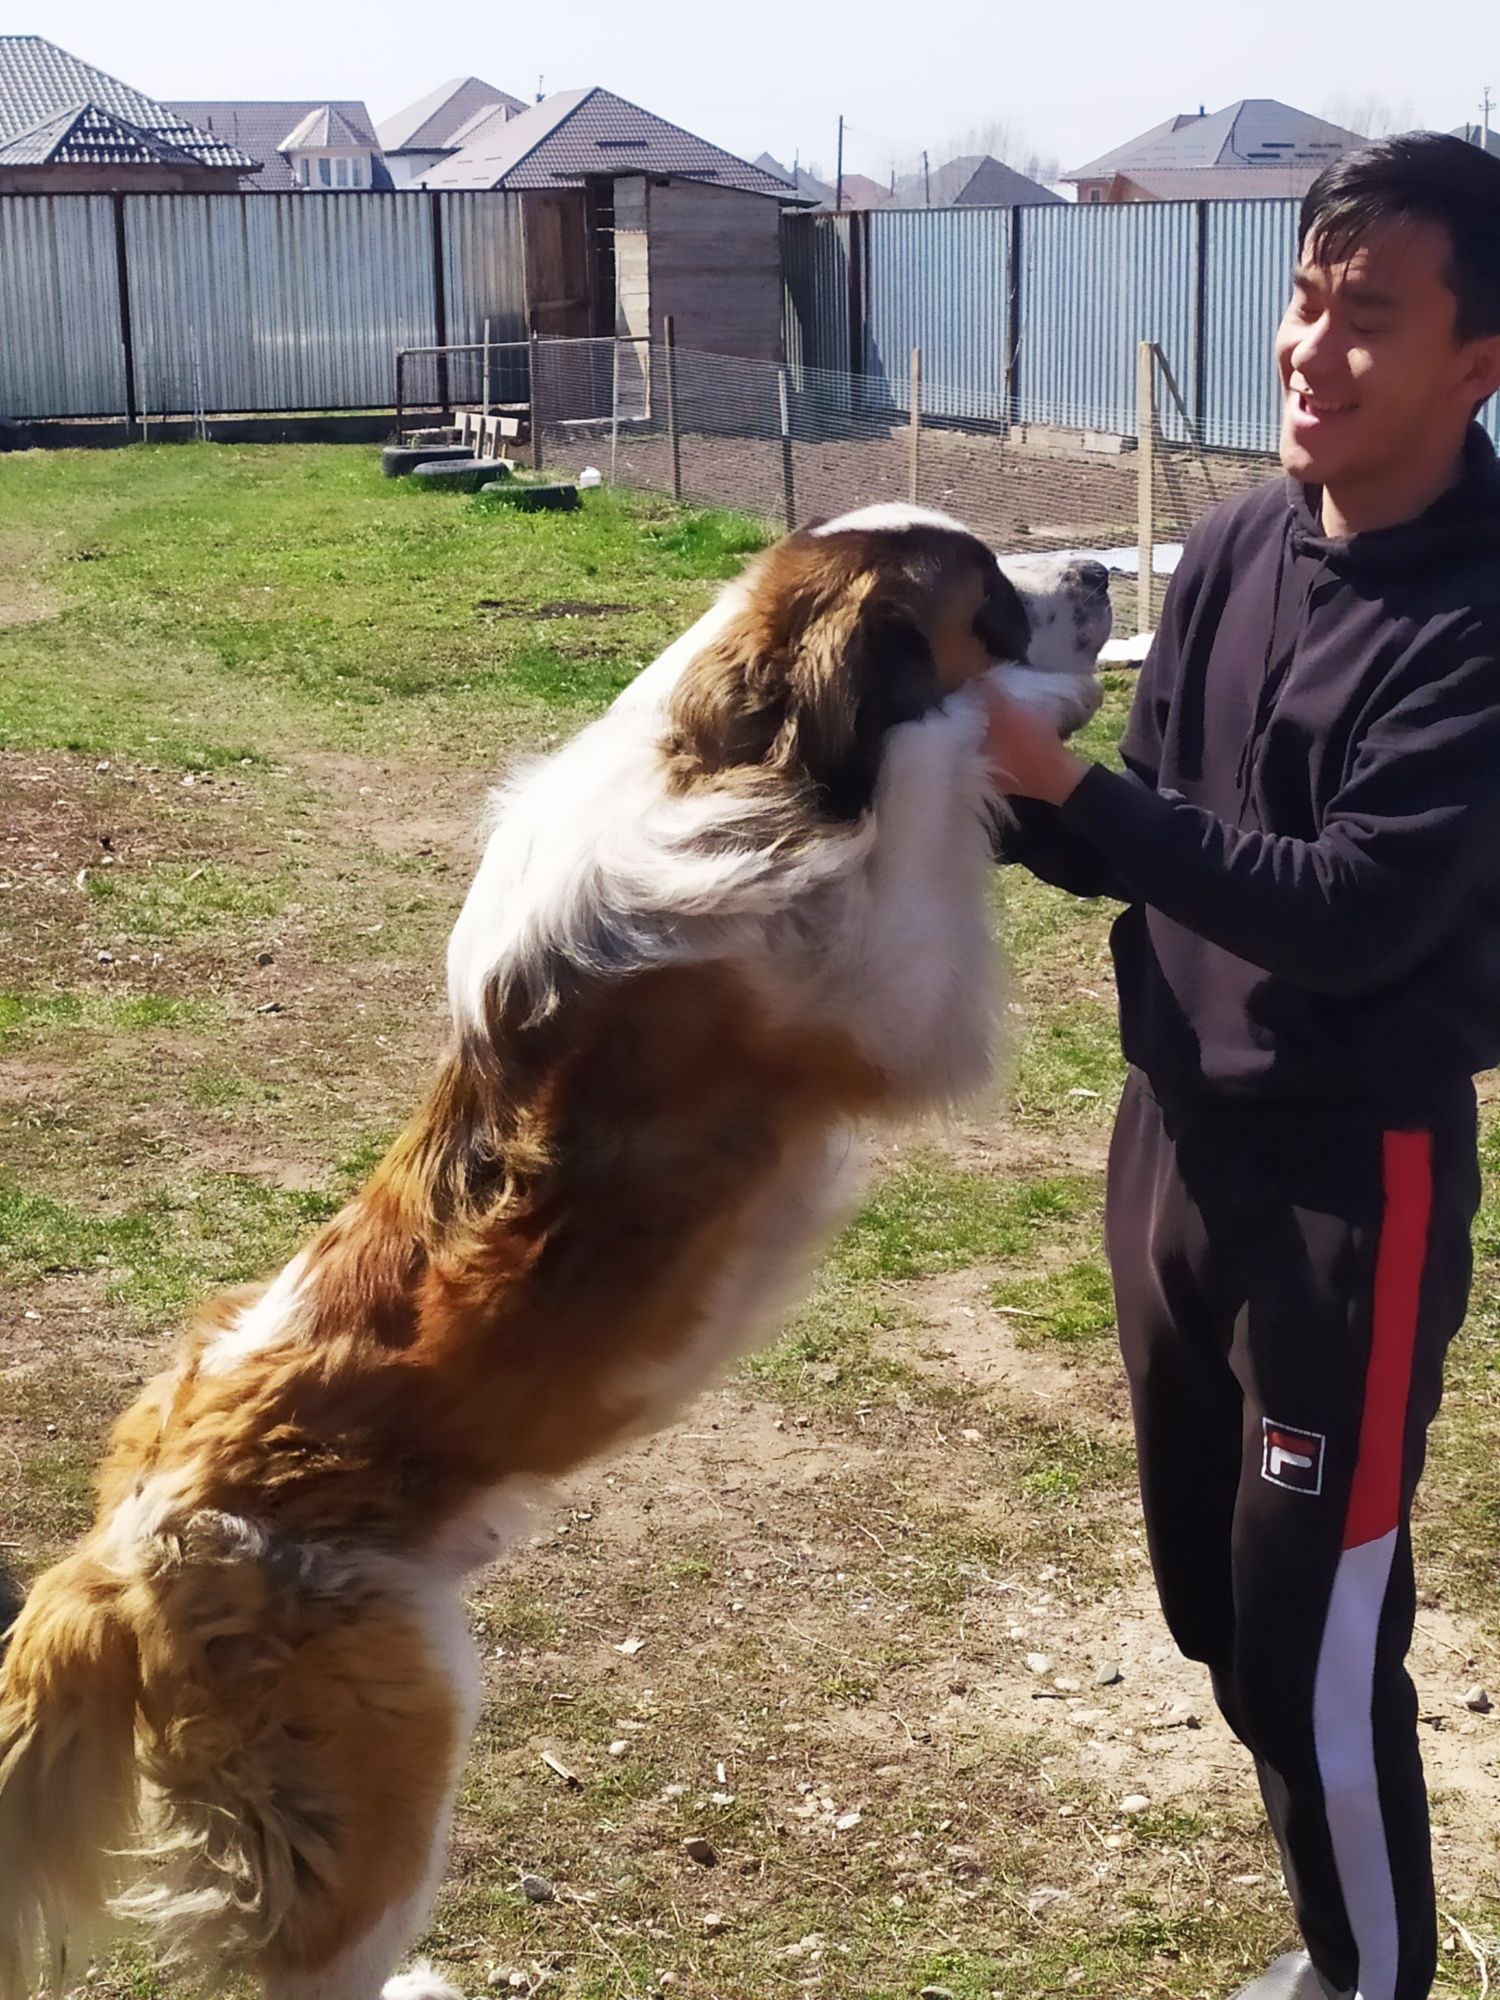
column 1416, row 177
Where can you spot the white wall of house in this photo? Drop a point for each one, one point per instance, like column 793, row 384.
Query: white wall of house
column 325, row 169
column 406, row 169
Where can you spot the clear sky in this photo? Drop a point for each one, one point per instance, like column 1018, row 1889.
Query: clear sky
column 1069, row 78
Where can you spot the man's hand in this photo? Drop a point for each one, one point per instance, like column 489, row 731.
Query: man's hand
column 1026, row 755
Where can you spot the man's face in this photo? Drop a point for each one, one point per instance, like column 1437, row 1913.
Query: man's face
column 1372, row 372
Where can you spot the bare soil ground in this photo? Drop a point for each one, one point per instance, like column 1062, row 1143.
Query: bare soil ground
column 874, row 1622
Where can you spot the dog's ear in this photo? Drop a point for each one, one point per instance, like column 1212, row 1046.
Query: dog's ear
column 862, row 665
column 1003, row 625
column 805, row 680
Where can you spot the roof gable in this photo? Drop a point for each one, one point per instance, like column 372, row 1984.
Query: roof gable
column 578, row 134
column 432, row 122
column 259, row 125
column 1252, row 132
column 972, row 181
column 39, row 81
column 324, row 125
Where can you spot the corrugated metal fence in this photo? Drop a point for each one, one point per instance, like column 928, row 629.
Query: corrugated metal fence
column 1034, row 315
column 130, row 305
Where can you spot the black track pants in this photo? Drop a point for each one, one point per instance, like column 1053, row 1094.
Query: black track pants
column 1287, row 1285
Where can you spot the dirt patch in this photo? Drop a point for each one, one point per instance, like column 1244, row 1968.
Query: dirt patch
column 24, row 599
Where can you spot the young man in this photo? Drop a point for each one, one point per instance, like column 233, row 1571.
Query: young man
column 1307, row 837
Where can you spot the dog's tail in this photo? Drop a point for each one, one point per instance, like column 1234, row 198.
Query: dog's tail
column 69, row 1691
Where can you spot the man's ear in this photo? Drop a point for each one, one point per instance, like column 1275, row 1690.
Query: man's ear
column 1482, row 373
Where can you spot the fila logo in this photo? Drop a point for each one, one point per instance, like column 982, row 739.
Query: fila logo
column 1293, row 1459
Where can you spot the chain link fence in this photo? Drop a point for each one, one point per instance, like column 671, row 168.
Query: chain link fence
column 794, row 444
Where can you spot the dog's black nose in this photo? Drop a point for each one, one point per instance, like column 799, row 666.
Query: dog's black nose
column 1092, row 577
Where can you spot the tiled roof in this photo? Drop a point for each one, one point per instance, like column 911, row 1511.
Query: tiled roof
column 861, row 192
column 85, row 136
column 800, row 179
column 430, row 125
column 38, row 80
column 486, row 121
column 578, row 133
column 324, row 125
column 974, row 180
column 1253, row 132
column 1477, row 136
column 1225, row 183
column 259, row 126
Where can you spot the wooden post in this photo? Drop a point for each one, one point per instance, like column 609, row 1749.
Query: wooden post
column 674, row 440
column 485, row 372
column 614, row 414
column 914, row 467
column 535, row 348
column 1145, row 404
column 788, row 481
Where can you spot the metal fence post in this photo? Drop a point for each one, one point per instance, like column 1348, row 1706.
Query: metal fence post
column 1013, row 307
column 439, row 298
column 788, row 481
column 914, row 467
column 674, row 439
column 1145, row 403
column 127, row 337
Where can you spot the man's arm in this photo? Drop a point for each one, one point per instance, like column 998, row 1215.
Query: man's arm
column 1413, row 830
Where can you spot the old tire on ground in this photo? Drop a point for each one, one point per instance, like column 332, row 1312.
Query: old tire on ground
column 462, row 476
column 396, row 460
column 526, row 499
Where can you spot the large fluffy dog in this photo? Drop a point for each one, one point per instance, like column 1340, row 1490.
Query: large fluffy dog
column 738, row 916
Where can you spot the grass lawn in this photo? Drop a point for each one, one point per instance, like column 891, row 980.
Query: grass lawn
column 882, row 1580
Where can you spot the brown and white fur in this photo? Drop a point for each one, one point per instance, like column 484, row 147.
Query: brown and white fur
column 735, row 919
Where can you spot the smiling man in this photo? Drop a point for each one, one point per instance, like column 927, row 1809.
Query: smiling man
column 1307, row 839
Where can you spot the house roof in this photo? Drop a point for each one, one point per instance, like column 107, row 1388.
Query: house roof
column 798, row 179
column 488, row 118
column 324, row 125
column 430, row 125
column 576, row 134
column 1252, row 132
column 40, row 83
column 862, row 192
column 973, row 180
column 1475, row 134
column 85, row 136
column 260, row 126
column 1225, row 183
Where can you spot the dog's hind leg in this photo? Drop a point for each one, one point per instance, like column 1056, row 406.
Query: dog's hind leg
column 363, row 1966
column 406, row 1688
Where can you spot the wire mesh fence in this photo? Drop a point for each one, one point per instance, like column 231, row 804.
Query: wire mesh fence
column 794, row 444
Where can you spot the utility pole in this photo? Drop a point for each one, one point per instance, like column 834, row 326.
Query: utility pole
column 1485, row 141
column 838, row 196
column 926, row 181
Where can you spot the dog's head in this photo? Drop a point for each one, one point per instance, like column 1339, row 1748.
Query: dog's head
column 1067, row 607
column 839, row 633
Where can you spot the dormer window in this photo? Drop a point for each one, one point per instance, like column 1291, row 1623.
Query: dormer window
column 327, row 151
